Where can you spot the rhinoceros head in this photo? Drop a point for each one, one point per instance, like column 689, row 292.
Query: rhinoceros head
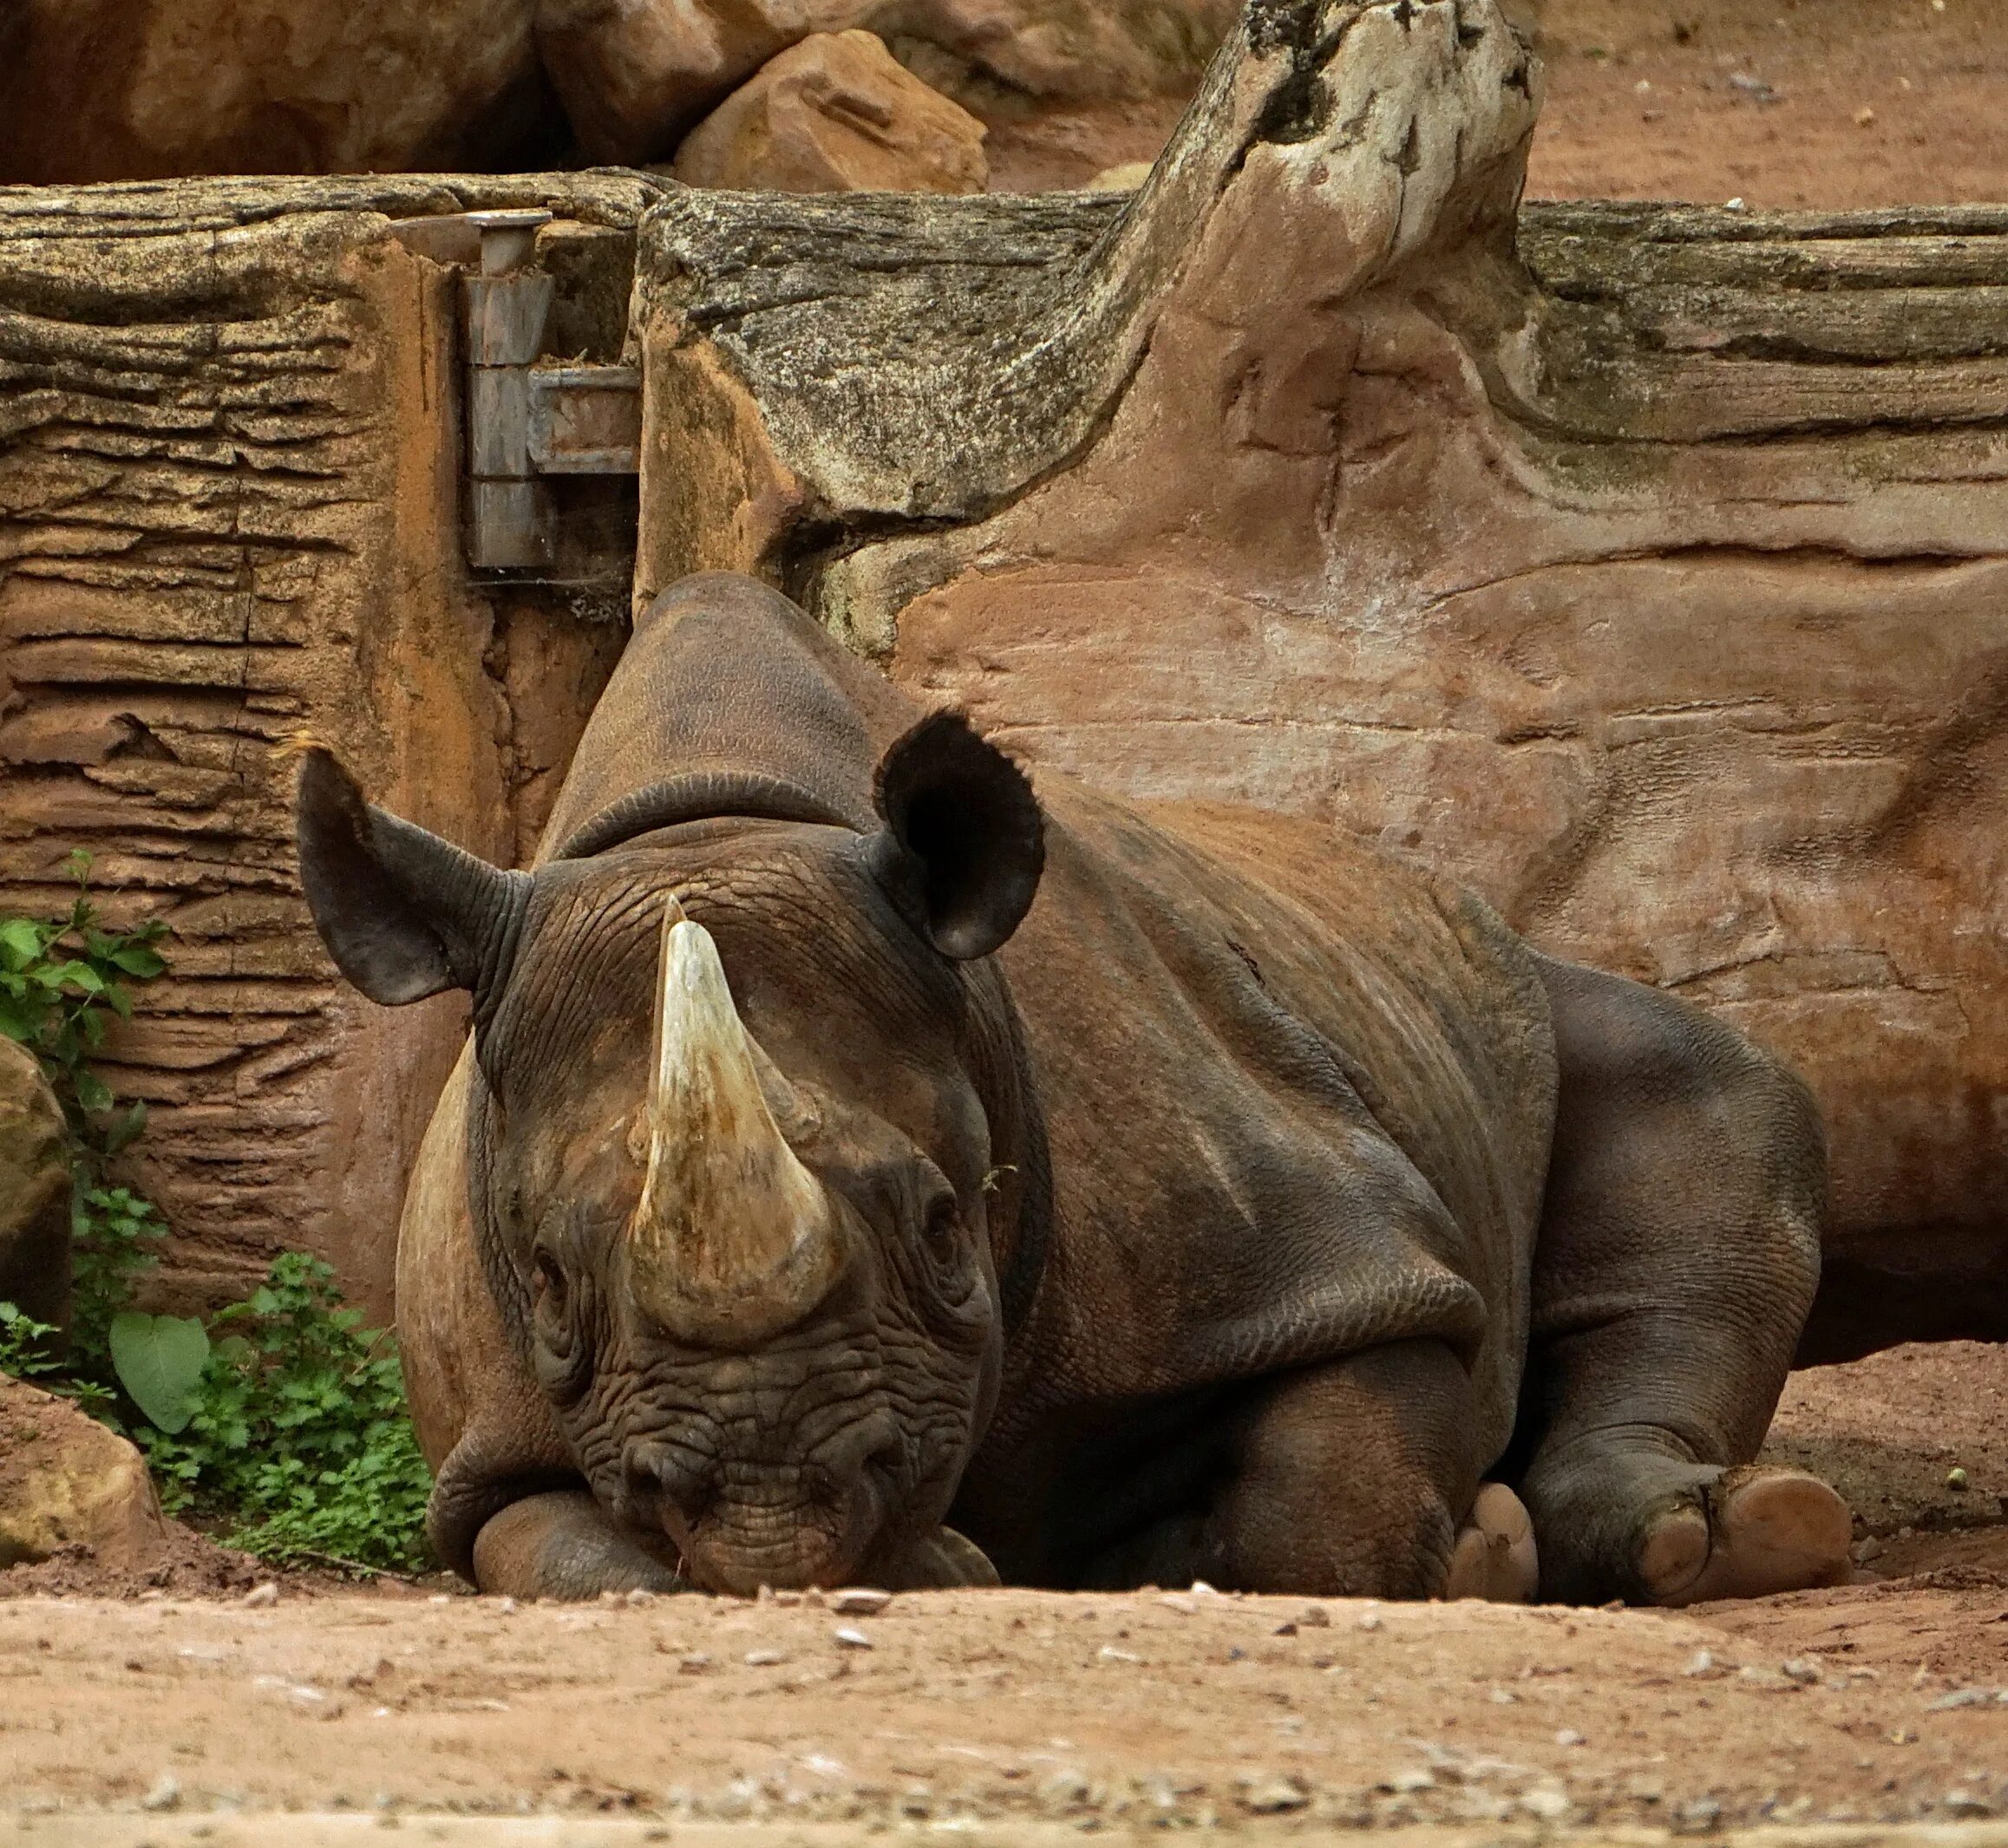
column 746, row 1151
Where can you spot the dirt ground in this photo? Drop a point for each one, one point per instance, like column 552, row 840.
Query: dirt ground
column 1882, row 1701
column 1782, row 103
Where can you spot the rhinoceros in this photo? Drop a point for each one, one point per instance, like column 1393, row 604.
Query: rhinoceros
column 864, row 1169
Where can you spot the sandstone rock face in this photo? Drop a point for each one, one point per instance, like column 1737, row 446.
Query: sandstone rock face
column 119, row 89
column 34, row 1190
column 836, row 114
column 1580, row 550
column 229, row 461
column 1073, row 50
column 65, row 1481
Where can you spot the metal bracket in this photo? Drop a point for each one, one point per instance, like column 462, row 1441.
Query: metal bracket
column 526, row 420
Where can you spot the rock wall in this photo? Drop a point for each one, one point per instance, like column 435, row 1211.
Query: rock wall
column 230, row 457
column 1648, row 566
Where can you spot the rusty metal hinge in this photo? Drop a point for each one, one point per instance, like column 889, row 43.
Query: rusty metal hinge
column 528, row 417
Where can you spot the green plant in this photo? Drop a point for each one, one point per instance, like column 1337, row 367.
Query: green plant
column 25, row 1347
column 60, row 978
column 284, row 1418
column 297, row 1430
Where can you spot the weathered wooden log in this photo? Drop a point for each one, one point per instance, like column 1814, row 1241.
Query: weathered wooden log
column 230, row 463
column 1647, row 564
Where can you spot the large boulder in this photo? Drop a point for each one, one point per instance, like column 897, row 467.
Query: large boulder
column 35, row 1190
column 637, row 74
column 65, row 1481
column 134, row 89
column 836, row 114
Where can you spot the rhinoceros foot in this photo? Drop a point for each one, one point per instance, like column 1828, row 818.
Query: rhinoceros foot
column 1494, row 1557
column 1755, row 1531
column 562, row 1546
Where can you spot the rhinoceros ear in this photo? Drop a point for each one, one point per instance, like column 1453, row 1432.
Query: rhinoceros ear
column 965, row 841
column 403, row 913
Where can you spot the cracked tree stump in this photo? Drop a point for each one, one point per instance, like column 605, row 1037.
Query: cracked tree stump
column 1648, row 566
column 229, row 511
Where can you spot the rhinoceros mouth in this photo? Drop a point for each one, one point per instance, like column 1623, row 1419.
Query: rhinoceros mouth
column 734, row 1525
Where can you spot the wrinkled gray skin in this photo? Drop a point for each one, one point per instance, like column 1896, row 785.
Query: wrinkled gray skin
column 1229, row 1213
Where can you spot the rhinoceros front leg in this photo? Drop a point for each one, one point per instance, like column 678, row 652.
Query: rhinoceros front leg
column 562, row 1546
column 1351, row 1480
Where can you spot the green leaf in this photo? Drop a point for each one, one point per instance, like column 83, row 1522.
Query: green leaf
column 20, row 942
column 137, row 960
column 92, row 1092
column 122, row 1133
column 160, row 1360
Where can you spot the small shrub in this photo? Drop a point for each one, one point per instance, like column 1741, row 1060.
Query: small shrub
column 297, row 1430
column 60, row 978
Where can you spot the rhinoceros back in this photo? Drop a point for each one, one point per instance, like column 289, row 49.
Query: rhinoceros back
column 1300, row 1096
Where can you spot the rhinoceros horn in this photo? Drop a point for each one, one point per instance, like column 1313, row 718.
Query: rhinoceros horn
column 733, row 1239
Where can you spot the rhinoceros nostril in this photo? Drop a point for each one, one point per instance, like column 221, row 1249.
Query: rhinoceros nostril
column 665, row 1481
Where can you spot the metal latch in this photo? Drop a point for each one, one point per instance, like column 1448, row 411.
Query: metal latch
column 527, row 419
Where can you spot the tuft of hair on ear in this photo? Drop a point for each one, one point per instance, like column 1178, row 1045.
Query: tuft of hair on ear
column 966, row 817
column 297, row 743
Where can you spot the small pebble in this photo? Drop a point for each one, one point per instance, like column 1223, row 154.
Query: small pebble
column 1064, row 1789
column 437, row 1597
column 1964, row 1803
column 268, row 1593
column 694, row 1664
column 1314, row 1616
column 165, row 1795
column 1701, row 1662
column 1955, row 1479
column 507, row 1607
column 1109, row 1652
column 848, row 1638
column 1800, row 1670
column 639, row 1596
column 1703, row 1813
column 1864, row 117
column 1568, row 1736
column 1369, row 1620
column 860, row 1601
column 1273, row 1796
column 764, row 1658
column 1546, row 1803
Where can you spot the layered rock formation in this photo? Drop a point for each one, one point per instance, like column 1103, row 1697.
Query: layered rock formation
column 230, row 453
column 1648, row 566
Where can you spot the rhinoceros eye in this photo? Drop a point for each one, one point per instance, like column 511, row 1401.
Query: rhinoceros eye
column 938, row 1225
column 563, row 1357
column 552, row 1292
